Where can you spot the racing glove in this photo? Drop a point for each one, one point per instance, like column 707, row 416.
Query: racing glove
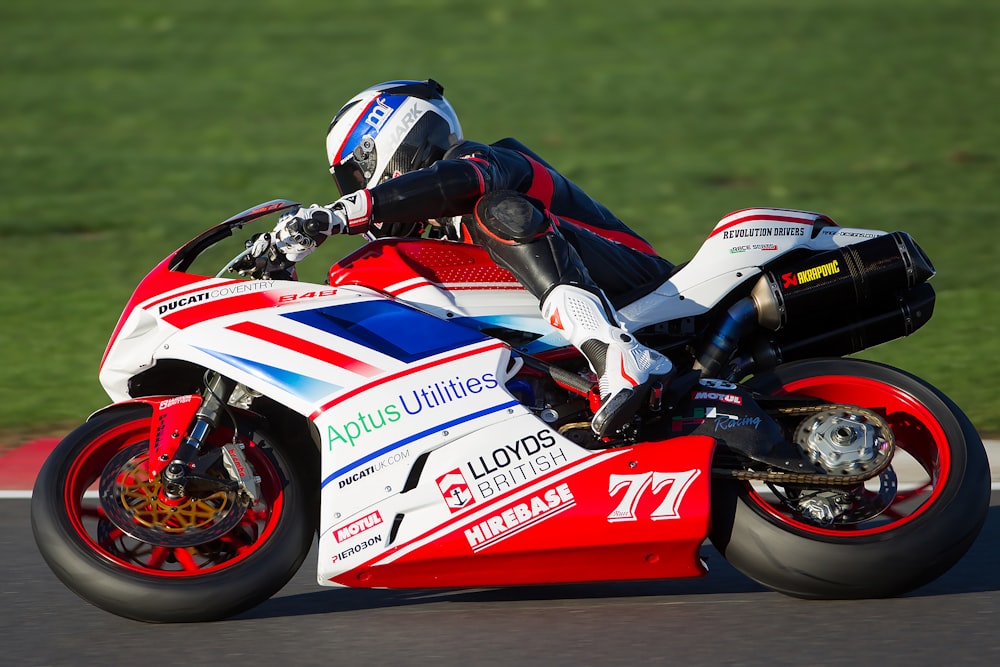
column 298, row 234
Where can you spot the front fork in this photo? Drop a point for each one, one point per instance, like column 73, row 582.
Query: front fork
column 206, row 418
column 181, row 426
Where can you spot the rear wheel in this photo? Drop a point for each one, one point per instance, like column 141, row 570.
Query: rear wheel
column 895, row 533
column 114, row 536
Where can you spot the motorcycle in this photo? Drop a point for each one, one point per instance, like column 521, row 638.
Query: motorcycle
column 418, row 414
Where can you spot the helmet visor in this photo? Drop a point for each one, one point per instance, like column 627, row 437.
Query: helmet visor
column 349, row 176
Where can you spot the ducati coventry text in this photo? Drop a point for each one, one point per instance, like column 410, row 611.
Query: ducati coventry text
column 218, row 293
column 432, row 396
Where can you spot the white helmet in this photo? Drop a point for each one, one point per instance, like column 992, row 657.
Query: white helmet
column 388, row 130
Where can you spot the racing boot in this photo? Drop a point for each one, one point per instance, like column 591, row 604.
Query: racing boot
column 626, row 369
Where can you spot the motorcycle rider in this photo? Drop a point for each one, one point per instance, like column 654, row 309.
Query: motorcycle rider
column 400, row 162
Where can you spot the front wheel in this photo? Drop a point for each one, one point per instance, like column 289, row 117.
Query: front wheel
column 114, row 536
column 919, row 528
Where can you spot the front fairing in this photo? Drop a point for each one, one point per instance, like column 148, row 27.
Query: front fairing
column 139, row 331
column 454, row 282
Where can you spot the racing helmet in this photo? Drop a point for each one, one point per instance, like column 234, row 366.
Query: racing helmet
column 388, row 130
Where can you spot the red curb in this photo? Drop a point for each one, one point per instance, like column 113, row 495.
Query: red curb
column 20, row 466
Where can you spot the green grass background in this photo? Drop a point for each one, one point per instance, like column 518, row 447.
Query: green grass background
column 126, row 127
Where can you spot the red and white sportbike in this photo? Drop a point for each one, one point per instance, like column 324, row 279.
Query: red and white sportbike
column 420, row 415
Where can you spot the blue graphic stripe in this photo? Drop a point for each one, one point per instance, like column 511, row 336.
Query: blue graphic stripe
column 308, row 388
column 547, row 339
column 391, row 328
column 416, row 436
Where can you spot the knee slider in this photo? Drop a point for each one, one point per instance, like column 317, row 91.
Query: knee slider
column 511, row 216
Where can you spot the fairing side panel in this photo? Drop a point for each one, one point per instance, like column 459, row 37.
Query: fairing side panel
column 373, row 436
column 599, row 511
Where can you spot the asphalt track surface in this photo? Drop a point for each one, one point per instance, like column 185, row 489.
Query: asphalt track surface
column 721, row 619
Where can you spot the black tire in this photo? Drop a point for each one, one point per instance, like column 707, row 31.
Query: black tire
column 142, row 580
column 900, row 551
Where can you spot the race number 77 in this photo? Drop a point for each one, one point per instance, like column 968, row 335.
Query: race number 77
column 636, row 485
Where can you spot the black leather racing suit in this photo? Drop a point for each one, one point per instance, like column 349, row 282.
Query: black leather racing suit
column 572, row 239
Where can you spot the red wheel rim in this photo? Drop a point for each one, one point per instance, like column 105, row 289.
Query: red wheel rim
column 90, row 520
column 920, row 438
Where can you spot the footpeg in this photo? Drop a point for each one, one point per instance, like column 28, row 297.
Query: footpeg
column 655, row 402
